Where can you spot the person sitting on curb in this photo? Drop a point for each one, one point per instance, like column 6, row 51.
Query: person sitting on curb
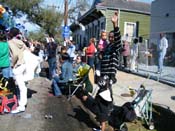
column 65, row 75
column 78, row 63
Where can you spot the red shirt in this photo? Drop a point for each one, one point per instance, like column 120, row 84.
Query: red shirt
column 90, row 49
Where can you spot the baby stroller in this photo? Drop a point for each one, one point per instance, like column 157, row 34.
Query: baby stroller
column 140, row 107
column 143, row 106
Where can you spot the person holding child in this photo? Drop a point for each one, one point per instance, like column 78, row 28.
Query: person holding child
column 109, row 63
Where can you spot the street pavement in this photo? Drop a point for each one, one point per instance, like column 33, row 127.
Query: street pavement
column 45, row 112
column 68, row 115
column 162, row 93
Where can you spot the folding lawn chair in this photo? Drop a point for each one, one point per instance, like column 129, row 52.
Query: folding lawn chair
column 85, row 81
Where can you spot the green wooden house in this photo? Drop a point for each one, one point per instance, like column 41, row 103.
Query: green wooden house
column 134, row 20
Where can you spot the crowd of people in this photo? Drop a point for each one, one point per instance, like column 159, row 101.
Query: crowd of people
column 15, row 62
column 64, row 62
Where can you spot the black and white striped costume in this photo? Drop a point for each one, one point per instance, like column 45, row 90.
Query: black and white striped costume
column 111, row 56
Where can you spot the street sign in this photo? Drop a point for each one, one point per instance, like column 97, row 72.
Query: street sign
column 66, row 32
column 66, row 35
column 66, row 29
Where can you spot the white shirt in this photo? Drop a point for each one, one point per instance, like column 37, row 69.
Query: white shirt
column 163, row 44
column 71, row 50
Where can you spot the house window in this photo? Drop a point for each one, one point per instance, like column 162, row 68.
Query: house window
column 130, row 29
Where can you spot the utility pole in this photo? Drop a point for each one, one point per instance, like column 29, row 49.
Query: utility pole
column 65, row 12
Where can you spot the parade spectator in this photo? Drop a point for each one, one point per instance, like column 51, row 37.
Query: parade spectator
column 111, row 56
column 63, row 51
column 103, row 41
column 51, row 51
column 37, row 48
column 90, row 52
column 78, row 63
column 65, row 75
column 100, row 48
column 162, row 50
column 134, row 54
column 41, row 53
column 4, row 55
column 125, row 52
column 59, row 48
column 42, row 56
column 110, row 59
column 71, row 50
column 17, row 48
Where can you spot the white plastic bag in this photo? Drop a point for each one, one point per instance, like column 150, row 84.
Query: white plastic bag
column 32, row 62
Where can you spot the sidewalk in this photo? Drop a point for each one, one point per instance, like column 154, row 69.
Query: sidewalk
column 162, row 94
column 166, row 77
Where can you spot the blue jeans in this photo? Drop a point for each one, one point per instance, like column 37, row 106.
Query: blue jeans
column 52, row 67
column 91, row 61
column 6, row 72
column 55, row 85
column 160, row 61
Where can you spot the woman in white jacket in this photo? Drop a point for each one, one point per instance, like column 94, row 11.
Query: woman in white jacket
column 23, row 66
column 17, row 48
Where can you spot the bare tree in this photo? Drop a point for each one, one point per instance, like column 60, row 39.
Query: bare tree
column 79, row 6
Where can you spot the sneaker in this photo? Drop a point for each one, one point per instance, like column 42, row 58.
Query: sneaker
column 18, row 110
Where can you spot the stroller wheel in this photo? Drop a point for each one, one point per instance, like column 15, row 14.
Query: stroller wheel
column 151, row 125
